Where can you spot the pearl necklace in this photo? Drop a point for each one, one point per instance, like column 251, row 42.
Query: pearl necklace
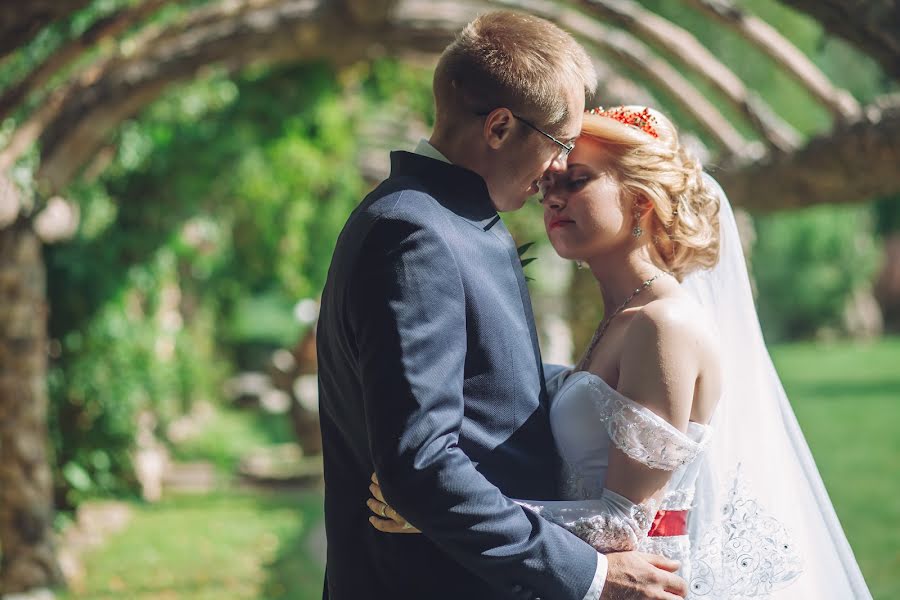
column 604, row 324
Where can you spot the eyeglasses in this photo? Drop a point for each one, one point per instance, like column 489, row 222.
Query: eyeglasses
column 565, row 148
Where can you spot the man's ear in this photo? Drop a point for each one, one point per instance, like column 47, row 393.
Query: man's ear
column 498, row 127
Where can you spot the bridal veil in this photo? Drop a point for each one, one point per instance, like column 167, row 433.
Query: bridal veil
column 762, row 525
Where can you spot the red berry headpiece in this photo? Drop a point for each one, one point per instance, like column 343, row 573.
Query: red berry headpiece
column 643, row 120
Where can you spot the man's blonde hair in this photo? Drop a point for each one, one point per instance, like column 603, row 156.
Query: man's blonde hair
column 512, row 60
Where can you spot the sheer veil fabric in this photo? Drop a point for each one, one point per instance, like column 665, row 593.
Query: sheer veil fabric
column 762, row 525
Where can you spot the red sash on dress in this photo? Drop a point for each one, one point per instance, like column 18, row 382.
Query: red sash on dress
column 669, row 522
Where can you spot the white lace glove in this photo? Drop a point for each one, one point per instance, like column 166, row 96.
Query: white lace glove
column 611, row 523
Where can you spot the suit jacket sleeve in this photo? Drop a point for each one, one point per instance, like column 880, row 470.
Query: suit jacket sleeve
column 408, row 315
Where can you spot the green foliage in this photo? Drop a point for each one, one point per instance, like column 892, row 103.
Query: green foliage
column 390, row 84
column 887, row 215
column 224, row 544
column 230, row 191
column 50, row 39
column 269, row 156
column 522, row 250
column 135, row 355
column 231, row 434
column 807, row 264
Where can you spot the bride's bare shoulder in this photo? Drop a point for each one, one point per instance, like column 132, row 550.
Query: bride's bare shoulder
column 674, row 321
column 668, row 355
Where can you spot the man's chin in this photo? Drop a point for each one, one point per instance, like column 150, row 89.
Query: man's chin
column 511, row 204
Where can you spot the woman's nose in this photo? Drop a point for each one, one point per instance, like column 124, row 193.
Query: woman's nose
column 553, row 200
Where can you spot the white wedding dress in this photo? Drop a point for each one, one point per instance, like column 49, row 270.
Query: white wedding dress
column 759, row 524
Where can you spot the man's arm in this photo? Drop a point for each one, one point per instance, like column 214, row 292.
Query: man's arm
column 408, row 314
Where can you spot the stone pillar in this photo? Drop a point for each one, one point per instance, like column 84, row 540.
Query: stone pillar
column 27, row 553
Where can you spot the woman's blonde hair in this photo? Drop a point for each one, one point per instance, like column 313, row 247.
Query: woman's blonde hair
column 651, row 163
column 512, row 60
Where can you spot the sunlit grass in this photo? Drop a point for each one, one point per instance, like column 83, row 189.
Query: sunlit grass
column 847, row 399
column 231, row 433
column 230, row 545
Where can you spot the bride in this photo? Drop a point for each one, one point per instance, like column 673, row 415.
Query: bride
column 675, row 433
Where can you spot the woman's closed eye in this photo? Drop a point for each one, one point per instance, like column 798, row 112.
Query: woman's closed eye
column 573, row 184
column 570, row 184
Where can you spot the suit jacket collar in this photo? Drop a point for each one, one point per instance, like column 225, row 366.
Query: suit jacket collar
column 460, row 190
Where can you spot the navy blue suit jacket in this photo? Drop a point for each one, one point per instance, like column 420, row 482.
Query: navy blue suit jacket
column 430, row 374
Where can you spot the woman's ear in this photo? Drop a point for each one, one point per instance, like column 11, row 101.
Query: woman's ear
column 643, row 205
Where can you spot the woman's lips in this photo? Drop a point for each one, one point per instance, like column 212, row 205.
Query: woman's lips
column 559, row 223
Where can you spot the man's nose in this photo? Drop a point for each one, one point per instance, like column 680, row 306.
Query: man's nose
column 559, row 163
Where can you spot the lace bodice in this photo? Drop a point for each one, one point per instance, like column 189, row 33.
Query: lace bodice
column 587, row 415
column 747, row 555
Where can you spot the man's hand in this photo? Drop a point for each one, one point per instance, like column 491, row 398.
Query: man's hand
column 641, row 576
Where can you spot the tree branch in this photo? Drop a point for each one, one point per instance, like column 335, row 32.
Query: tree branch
column 795, row 63
column 854, row 163
column 102, row 30
column 629, row 51
column 21, row 21
column 270, row 32
column 679, row 44
column 872, row 26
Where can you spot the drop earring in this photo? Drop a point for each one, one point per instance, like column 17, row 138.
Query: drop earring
column 637, row 231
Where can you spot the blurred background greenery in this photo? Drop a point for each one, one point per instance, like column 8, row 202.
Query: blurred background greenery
column 206, row 225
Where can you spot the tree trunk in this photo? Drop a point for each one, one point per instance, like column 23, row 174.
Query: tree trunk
column 887, row 286
column 28, row 558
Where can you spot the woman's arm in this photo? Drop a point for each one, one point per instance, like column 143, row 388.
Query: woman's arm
column 658, row 370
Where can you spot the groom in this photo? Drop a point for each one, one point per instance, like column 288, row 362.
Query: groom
column 429, row 367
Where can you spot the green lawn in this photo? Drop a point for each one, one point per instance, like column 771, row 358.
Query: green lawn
column 230, row 434
column 226, row 546
column 241, row 546
column 847, row 399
